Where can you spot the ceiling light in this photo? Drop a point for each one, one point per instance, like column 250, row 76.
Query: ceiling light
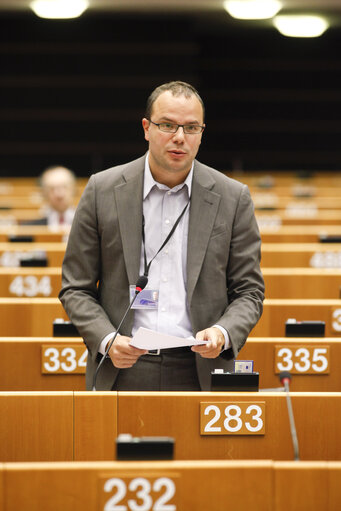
column 59, row 9
column 300, row 25
column 252, row 9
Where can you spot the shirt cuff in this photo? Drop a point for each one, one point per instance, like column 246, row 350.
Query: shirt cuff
column 226, row 336
column 104, row 343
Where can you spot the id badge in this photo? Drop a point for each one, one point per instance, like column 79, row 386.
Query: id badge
column 146, row 299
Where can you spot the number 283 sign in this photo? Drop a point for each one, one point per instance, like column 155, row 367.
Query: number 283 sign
column 232, row 418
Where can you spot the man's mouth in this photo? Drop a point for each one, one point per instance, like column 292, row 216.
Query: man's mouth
column 176, row 152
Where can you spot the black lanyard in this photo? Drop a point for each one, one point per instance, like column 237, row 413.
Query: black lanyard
column 147, row 266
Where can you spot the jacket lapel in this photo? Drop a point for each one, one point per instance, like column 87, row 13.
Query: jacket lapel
column 203, row 211
column 129, row 207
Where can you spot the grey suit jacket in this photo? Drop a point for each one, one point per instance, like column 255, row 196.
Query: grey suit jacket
column 224, row 281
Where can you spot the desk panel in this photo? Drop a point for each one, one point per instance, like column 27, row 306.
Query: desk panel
column 301, row 487
column 36, row 426
column 313, row 205
column 334, row 486
column 277, row 311
column 298, row 233
column 200, row 485
column 55, row 426
column 303, row 255
column 2, row 487
column 262, row 352
column 95, row 427
column 323, row 217
column 310, row 283
column 40, row 233
column 30, row 282
column 10, row 253
column 29, row 317
column 20, row 365
column 177, row 415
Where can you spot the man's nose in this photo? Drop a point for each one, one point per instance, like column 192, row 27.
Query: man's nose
column 179, row 134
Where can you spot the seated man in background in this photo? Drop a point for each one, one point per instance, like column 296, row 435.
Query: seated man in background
column 58, row 185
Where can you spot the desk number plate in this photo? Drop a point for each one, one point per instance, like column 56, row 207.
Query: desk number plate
column 133, row 492
column 299, row 359
column 63, row 359
column 232, row 418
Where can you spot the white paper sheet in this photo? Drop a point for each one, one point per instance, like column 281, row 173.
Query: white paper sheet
column 146, row 339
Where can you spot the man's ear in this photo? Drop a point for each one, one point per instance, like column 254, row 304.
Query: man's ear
column 146, row 125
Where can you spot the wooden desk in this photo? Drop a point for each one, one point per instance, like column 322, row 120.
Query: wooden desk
column 277, row 311
column 28, row 317
column 85, row 426
column 40, row 233
column 10, row 217
column 271, row 201
column 298, row 233
column 200, row 486
column 58, row 426
column 302, row 282
column 307, row 486
column 176, row 415
column 298, row 190
column 10, row 253
column 30, row 282
column 331, row 217
column 32, row 201
column 319, row 179
column 26, row 184
column 21, row 364
column 294, row 255
column 263, row 352
column 36, row 426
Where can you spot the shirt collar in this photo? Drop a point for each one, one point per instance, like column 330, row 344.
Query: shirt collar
column 149, row 181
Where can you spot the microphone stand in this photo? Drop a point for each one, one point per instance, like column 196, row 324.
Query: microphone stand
column 285, row 378
column 141, row 284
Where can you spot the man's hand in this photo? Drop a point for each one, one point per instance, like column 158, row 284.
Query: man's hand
column 122, row 354
column 215, row 342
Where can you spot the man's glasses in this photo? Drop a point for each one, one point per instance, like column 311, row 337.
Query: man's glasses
column 169, row 127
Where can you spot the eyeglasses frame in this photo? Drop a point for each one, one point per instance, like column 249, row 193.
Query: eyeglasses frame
column 178, row 126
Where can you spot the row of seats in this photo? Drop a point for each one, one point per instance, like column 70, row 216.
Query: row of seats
column 221, row 438
column 318, row 283
column 83, row 426
column 53, row 363
column 318, row 255
column 182, row 485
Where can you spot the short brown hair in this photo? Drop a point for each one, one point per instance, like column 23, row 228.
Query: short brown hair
column 177, row 88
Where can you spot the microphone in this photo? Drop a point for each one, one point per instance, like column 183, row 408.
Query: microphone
column 285, row 378
column 141, row 283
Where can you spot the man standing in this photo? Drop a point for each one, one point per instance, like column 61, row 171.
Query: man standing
column 206, row 276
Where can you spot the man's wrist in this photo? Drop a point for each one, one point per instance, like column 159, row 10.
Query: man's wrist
column 227, row 343
column 105, row 343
